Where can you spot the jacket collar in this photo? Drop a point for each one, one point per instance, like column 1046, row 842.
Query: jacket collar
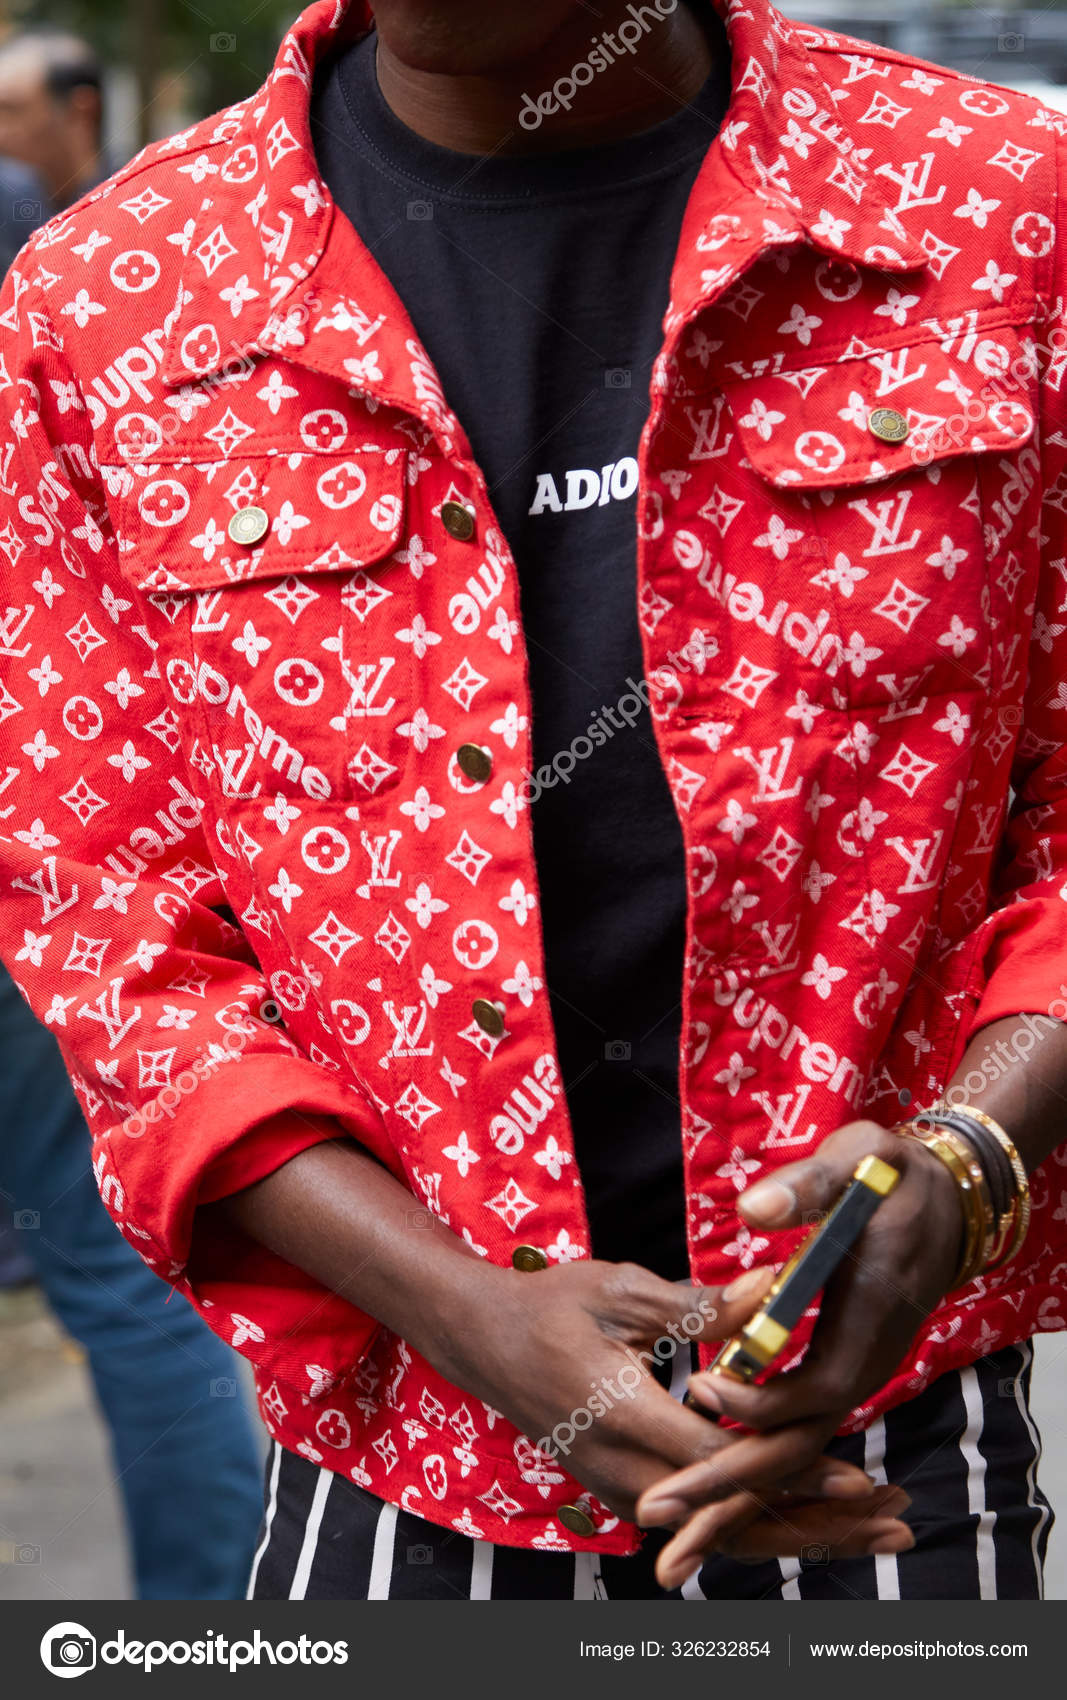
column 272, row 267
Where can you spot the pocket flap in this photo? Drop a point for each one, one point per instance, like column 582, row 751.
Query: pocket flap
column 323, row 514
column 824, row 426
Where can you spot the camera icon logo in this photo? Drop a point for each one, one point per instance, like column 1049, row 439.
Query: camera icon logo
column 223, row 42
column 420, row 1555
column 68, row 1649
column 616, row 1050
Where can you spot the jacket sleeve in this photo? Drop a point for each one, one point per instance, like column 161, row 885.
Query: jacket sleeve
column 1023, row 945
column 114, row 920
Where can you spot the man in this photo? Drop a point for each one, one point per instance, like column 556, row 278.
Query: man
column 724, row 382
column 51, row 111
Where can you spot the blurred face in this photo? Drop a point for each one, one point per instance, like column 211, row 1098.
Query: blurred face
column 475, row 37
column 31, row 120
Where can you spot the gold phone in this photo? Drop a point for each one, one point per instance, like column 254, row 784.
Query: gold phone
column 766, row 1334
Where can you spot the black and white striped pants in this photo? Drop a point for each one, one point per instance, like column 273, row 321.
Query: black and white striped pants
column 966, row 1450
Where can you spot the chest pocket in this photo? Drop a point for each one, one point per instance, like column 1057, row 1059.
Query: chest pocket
column 906, row 472
column 271, row 579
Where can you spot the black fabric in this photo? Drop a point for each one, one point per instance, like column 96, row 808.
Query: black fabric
column 925, row 1453
column 538, row 286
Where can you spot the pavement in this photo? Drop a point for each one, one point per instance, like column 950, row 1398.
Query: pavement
column 61, row 1528
column 1048, row 1406
column 61, row 1532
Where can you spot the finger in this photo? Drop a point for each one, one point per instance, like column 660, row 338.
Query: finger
column 785, row 1521
column 640, row 1308
column 754, row 1463
column 806, row 1395
column 862, row 1332
column 721, row 1311
column 619, row 1476
column 799, row 1190
column 672, row 1497
column 763, row 1539
column 654, row 1422
column 637, row 1415
column 780, row 1532
column 824, row 1391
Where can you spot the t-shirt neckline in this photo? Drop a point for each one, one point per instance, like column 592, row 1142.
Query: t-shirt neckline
column 493, row 180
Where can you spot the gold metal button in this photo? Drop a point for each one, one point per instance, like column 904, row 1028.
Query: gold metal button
column 248, row 526
column 576, row 1520
column 888, row 425
column 458, row 521
column 475, row 762
column 488, row 1017
column 529, row 1258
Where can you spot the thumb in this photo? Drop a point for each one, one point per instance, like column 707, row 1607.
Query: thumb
column 801, row 1191
column 721, row 1311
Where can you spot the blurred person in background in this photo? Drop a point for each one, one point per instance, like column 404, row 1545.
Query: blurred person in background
column 185, row 1454
column 51, row 112
column 51, row 127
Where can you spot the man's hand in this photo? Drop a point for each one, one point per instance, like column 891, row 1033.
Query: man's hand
column 558, row 1353
column 546, row 1348
column 873, row 1307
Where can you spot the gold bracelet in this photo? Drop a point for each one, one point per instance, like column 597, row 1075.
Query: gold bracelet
column 1018, row 1168
column 991, row 1232
column 980, row 1220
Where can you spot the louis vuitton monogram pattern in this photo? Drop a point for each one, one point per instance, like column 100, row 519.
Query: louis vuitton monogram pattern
column 247, row 882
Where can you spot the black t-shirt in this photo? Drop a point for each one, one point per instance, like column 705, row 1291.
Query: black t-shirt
column 538, row 286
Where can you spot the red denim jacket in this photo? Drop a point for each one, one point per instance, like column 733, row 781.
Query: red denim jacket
column 251, row 886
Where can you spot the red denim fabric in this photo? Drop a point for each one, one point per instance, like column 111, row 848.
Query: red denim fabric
column 856, row 650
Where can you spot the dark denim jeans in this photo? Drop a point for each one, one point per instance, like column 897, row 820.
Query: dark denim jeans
column 186, row 1457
